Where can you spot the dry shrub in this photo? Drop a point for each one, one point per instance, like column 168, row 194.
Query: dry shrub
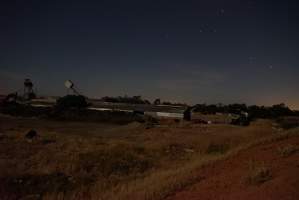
column 120, row 160
column 217, row 148
column 258, row 173
column 34, row 185
column 288, row 122
column 159, row 184
column 287, row 150
column 176, row 150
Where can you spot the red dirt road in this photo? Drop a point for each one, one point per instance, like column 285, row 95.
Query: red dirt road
column 227, row 179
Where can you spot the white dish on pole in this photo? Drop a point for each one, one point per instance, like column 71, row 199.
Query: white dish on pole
column 68, row 84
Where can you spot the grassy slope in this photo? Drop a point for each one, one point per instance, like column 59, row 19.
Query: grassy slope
column 265, row 170
column 138, row 164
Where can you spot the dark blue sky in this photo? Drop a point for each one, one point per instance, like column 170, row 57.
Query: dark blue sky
column 186, row 51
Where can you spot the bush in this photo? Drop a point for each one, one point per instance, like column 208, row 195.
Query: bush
column 287, row 150
column 258, row 173
column 217, row 148
column 71, row 101
column 288, row 122
column 241, row 121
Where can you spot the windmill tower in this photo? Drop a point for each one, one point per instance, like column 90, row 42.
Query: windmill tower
column 28, row 89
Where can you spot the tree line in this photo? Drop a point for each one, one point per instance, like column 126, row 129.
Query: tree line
column 254, row 111
column 138, row 100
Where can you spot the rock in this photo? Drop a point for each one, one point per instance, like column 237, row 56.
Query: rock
column 31, row 134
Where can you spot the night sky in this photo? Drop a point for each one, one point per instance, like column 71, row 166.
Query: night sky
column 200, row 51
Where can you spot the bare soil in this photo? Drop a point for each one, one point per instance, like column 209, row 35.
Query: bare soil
column 228, row 179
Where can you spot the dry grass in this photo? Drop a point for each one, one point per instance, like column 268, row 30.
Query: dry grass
column 217, row 148
column 258, row 173
column 288, row 150
column 138, row 164
column 162, row 183
column 217, row 119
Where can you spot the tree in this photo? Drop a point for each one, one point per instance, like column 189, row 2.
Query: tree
column 71, row 101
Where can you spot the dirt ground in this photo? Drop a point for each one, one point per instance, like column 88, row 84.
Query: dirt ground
column 228, row 179
column 87, row 160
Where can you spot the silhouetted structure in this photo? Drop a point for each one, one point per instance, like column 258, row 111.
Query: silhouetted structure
column 187, row 114
column 157, row 102
column 28, row 90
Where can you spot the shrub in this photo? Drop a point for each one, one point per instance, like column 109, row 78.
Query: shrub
column 71, row 101
column 287, row 150
column 217, row 148
column 288, row 122
column 258, row 173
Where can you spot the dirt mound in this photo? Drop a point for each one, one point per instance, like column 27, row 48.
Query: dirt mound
column 262, row 172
